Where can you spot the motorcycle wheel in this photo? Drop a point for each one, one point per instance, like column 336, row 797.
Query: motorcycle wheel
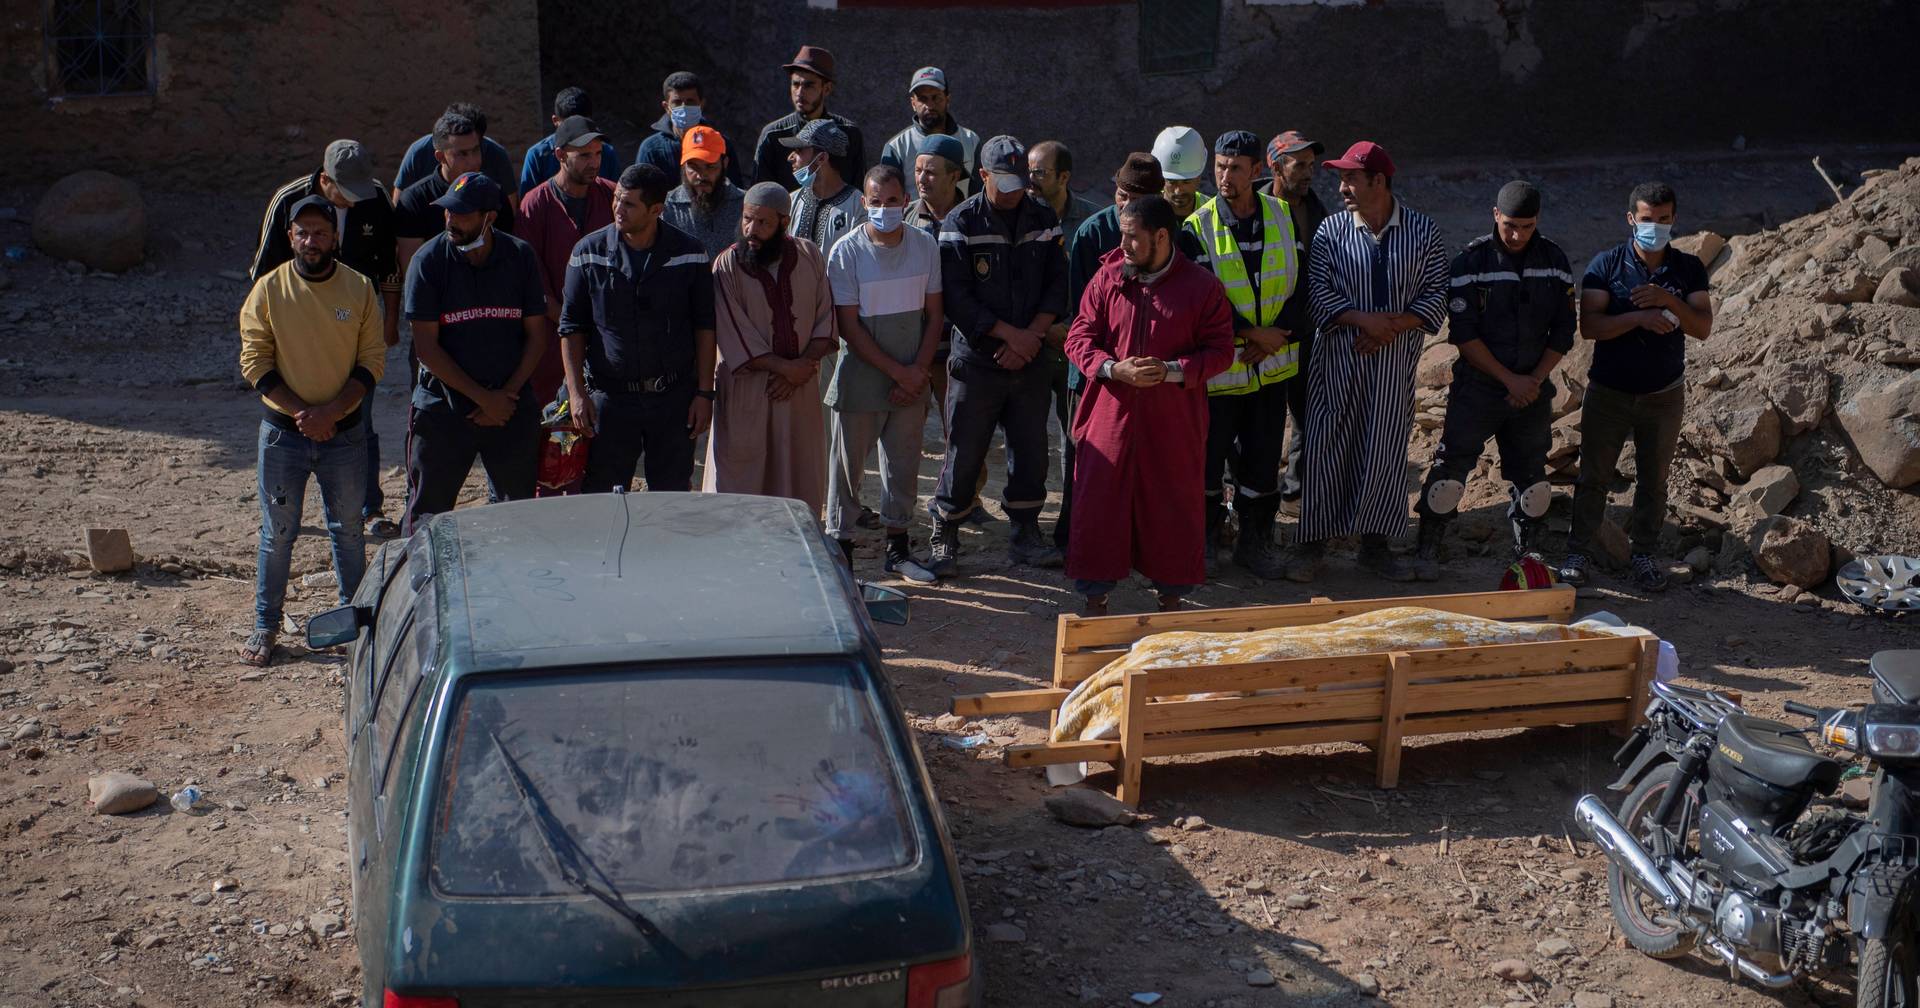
column 1886, row 975
column 1648, row 925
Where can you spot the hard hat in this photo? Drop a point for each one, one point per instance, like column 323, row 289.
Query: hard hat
column 1181, row 153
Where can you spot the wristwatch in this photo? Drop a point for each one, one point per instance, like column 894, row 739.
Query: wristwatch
column 704, row 393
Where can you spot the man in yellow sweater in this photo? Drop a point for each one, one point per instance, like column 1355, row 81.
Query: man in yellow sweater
column 310, row 342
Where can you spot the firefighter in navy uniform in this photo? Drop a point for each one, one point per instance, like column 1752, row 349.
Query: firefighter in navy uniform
column 1510, row 306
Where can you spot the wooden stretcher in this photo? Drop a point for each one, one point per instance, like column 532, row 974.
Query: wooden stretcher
column 1377, row 699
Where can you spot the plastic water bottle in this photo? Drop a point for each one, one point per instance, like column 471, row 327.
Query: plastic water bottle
column 186, row 798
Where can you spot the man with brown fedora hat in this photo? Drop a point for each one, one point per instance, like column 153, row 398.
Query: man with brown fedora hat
column 809, row 85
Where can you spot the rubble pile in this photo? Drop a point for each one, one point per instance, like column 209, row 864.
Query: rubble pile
column 1801, row 446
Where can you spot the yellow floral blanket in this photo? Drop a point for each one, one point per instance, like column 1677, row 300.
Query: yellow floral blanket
column 1092, row 709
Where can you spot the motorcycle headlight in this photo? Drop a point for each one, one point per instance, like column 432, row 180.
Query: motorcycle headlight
column 1891, row 731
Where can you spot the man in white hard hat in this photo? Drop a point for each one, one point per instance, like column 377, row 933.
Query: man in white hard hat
column 1184, row 162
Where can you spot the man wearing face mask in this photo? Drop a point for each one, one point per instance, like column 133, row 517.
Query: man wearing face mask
column 809, row 85
column 1639, row 301
column 1003, row 283
column 886, row 292
column 706, row 205
column 542, row 159
column 824, row 206
column 477, row 305
column 1152, row 329
column 774, row 311
column 637, row 334
column 927, row 99
column 310, row 344
column 683, row 99
column 1510, row 312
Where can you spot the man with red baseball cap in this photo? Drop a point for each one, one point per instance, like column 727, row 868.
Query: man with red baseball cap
column 1377, row 283
column 809, row 85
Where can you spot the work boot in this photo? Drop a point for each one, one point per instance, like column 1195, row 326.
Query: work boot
column 1255, row 551
column 1526, row 536
column 1377, row 556
column 1426, row 555
column 1307, row 560
column 1095, row 605
column 943, row 552
column 1031, row 548
column 1171, row 603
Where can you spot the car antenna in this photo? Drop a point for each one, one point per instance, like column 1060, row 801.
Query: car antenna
column 617, row 551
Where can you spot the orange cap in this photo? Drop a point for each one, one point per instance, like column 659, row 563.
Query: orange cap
column 703, row 142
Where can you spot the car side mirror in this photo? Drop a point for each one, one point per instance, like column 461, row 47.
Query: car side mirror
column 337, row 626
column 884, row 605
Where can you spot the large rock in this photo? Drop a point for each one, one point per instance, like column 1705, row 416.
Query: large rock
column 1791, row 552
column 1747, row 431
column 1087, row 807
column 1803, row 392
column 1611, row 544
column 1899, row 287
column 109, row 550
column 1851, row 286
column 1884, row 425
column 119, row 793
column 1771, row 489
column 1435, row 369
column 95, row 218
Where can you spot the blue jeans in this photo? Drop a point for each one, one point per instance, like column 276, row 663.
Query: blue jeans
column 376, row 500
column 286, row 459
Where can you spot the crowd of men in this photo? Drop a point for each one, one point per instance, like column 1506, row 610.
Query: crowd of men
column 1211, row 360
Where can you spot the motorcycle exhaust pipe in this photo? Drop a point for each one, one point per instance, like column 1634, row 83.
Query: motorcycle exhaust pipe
column 1752, row 971
column 1624, row 850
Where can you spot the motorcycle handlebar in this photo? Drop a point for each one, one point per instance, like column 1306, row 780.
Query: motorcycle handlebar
column 1794, row 707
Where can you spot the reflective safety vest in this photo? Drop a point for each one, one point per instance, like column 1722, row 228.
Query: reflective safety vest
column 1257, row 299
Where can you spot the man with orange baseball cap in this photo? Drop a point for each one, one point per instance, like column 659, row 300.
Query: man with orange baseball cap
column 707, row 204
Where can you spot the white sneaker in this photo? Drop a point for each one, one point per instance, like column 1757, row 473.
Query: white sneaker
column 911, row 570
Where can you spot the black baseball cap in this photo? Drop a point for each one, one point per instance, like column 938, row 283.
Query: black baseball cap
column 316, row 203
column 575, row 131
column 470, row 193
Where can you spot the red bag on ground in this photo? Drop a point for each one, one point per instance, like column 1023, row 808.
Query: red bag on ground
column 1527, row 572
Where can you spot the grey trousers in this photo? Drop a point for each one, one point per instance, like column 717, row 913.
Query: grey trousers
column 898, row 433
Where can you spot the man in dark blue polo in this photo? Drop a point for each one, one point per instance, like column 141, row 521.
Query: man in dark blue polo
column 636, row 335
column 1639, row 301
column 478, row 307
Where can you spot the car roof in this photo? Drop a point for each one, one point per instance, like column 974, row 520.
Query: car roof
column 599, row 578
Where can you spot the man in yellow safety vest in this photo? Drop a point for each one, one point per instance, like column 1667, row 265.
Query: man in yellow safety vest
column 1247, row 240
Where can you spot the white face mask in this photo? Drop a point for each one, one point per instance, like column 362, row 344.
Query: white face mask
column 886, row 220
column 1008, row 182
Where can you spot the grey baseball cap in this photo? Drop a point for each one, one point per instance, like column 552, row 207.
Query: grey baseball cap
column 820, row 134
column 351, row 168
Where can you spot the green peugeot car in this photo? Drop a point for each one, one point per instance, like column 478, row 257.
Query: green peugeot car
column 637, row 750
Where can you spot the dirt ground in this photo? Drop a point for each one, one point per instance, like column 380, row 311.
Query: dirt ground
column 120, row 406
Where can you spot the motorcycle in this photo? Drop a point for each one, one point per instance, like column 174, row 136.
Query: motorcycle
column 1716, row 846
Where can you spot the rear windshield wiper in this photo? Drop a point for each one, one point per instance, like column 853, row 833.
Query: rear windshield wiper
column 573, row 861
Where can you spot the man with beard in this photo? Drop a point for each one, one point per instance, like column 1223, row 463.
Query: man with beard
column 683, row 99
column 774, row 324
column 1152, row 328
column 457, row 147
column 937, row 170
column 1183, row 160
column 636, row 334
column 310, row 344
column 1377, row 285
column 478, row 308
column 927, row 99
column 543, row 159
column 554, row 216
column 706, row 204
column 1292, row 157
column 809, row 84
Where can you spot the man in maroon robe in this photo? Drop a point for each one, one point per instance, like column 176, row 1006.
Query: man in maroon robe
column 1152, row 328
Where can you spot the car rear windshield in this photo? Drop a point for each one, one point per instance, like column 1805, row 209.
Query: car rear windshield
column 669, row 780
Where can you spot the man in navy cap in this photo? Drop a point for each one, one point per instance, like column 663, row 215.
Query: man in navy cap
column 1004, row 277
column 477, row 304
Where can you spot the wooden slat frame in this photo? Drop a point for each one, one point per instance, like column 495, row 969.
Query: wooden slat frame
column 1050, row 753
column 1030, row 701
column 1189, row 743
column 1276, row 709
column 1518, row 691
column 1278, row 674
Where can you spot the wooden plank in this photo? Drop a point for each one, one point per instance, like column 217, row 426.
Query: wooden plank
column 1281, row 673
column 1070, row 670
column 1536, row 656
column 1643, row 673
column 1050, row 753
column 1516, row 717
column 1079, row 632
column 1190, row 743
column 1393, row 714
column 1133, row 728
column 1009, row 702
column 1284, row 708
column 1519, row 691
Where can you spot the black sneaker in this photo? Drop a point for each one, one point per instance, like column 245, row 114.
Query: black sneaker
column 943, row 553
column 1647, row 574
column 1572, row 570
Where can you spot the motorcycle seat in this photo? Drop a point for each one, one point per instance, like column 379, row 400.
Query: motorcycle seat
column 1776, row 753
column 1896, row 676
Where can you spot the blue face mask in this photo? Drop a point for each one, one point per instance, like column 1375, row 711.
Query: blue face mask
column 684, row 116
column 804, row 176
column 1650, row 236
column 886, row 220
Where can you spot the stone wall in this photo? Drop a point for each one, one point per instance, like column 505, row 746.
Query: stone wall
column 1503, row 78
column 250, row 91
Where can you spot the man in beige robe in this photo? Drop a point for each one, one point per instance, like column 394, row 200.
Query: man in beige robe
column 773, row 316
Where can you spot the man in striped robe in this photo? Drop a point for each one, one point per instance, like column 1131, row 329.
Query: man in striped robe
column 1378, row 281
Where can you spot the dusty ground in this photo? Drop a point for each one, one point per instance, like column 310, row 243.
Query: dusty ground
column 119, row 407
